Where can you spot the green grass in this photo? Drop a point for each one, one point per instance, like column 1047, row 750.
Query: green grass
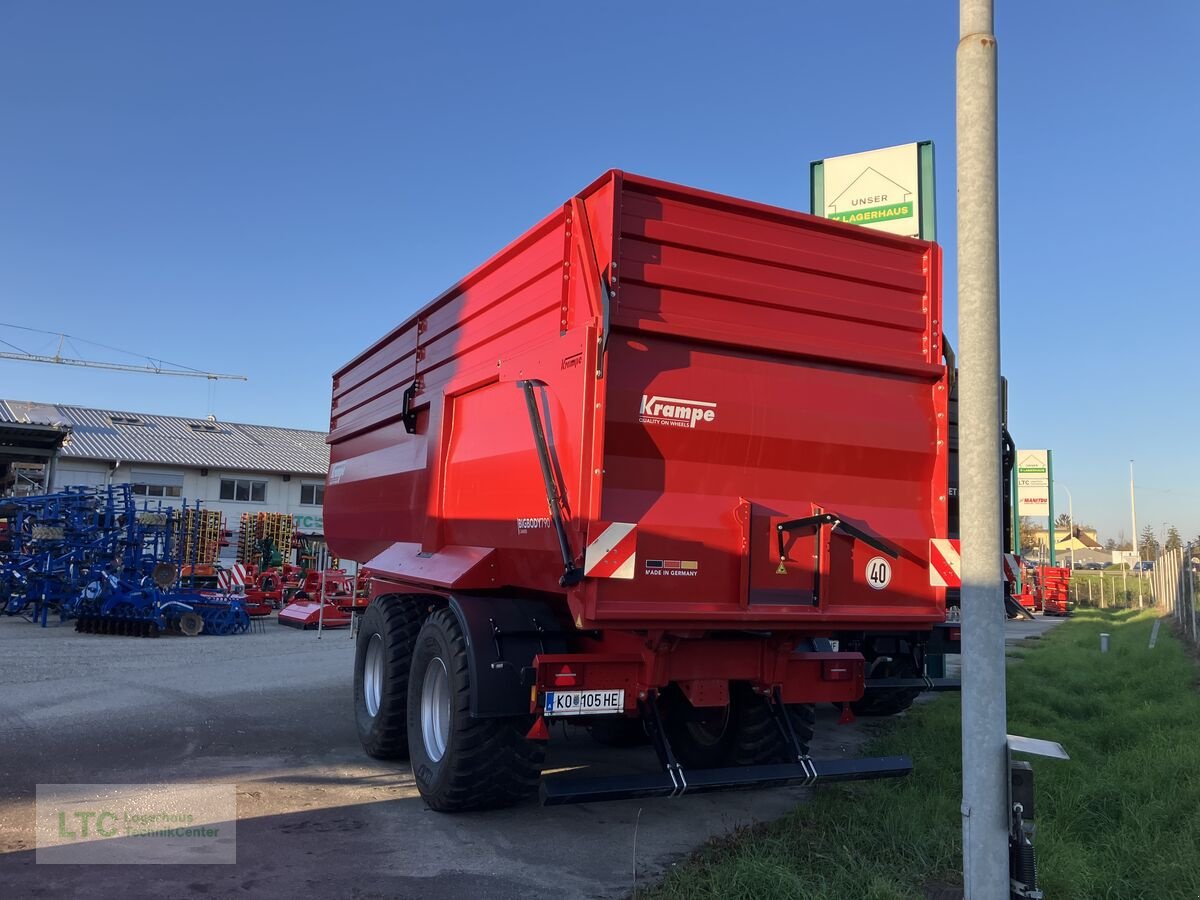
column 1120, row 820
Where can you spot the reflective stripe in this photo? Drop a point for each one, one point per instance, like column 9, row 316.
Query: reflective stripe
column 613, row 554
column 945, row 563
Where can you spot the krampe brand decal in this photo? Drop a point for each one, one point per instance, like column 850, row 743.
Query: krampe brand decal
column 675, row 411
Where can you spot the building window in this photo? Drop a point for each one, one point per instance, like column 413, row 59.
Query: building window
column 157, row 490
column 244, row 490
column 156, row 484
column 312, row 494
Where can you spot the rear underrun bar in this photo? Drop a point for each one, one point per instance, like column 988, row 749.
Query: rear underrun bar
column 561, row 790
column 924, row 684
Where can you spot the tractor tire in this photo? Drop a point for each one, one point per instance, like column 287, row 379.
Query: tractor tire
column 889, row 701
column 743, row 733
column 619, row 731
column 459, row 762
column 382, row 660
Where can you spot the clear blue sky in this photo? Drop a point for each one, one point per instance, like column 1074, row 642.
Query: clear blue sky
column 265, row 187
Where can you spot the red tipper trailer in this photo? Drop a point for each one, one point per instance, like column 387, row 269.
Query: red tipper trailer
column 641, row 467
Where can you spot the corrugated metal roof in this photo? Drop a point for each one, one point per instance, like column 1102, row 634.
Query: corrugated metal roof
column 175, row 440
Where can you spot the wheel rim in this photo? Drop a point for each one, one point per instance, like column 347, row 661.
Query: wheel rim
column 709, row 726
column 373, row 674
column 435, row 709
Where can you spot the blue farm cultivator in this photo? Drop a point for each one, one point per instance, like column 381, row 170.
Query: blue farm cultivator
column 92, row 555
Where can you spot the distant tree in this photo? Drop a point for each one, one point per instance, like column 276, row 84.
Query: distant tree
column 1062, row 521
column 1110, row 545
column 1148, row 544
column 1029, row 530
column 1174, row 541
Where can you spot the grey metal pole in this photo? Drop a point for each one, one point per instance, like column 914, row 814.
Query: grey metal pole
column 1071, row 531
column 1133, row 523
column 1177, row 586
column 1158, row 587
column 1180, row 595
column 1191, row 584
column 984, row 722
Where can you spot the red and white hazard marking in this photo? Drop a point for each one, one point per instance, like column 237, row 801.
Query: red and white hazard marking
column 613, row 554
column 945, row 564
column 234, row 575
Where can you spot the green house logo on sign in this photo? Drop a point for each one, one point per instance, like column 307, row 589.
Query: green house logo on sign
column 889, row 190
column 872, row 197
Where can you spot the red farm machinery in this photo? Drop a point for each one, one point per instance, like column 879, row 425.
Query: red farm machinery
column 1052, row 590
column 668, row 464
column 325, row 599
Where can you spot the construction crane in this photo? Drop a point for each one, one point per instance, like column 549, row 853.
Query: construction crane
column 153, row 367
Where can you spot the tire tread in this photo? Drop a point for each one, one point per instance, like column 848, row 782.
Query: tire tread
column 402, row 620
column 491, row 762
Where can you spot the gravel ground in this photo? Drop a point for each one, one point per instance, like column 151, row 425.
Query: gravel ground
column 271, row 712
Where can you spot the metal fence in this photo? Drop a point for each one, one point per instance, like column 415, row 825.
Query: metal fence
column 1173, row 582
column 1111, row 589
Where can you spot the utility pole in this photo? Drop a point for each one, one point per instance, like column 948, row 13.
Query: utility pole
column 1071, row 527
column 985, row 818
column 1133, row 523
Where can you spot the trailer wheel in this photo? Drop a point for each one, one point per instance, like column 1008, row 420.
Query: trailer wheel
column 759, row 740
column 460, row 762
column 743, row 733
column 382, row 658
column 889, row 701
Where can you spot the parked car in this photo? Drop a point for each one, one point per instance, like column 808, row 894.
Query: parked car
column 1144, row 565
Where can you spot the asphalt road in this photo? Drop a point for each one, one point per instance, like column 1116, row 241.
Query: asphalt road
column 272, row 714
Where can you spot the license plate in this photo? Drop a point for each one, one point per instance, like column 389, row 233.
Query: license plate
column 584, row 703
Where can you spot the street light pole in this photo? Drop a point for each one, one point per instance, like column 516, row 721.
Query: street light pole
column 985, row 816
column 1133, row 524
column 1071, row 517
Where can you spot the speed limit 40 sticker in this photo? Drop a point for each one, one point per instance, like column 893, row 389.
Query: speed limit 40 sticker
column 879, row 572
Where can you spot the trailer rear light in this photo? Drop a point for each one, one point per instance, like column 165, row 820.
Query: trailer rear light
column 833, row 670
column 565, row 678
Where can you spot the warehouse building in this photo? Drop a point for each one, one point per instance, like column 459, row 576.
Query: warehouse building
column 232, row 467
